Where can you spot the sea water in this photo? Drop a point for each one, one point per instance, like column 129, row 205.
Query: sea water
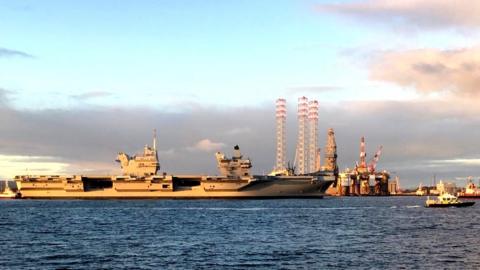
column 333, row 233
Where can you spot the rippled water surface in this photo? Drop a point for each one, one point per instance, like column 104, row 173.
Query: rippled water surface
column 365, row 233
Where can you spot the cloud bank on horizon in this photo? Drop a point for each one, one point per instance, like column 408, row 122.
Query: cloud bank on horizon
column 419, row 101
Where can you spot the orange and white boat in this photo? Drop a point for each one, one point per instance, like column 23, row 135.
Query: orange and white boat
column 471, row 191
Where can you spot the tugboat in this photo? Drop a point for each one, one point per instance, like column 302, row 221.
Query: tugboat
column 447, row 200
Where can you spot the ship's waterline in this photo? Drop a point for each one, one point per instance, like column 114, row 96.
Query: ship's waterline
column 186, row 187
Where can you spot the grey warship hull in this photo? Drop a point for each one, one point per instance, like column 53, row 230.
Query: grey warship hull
column 173, row 187
column 140, row 180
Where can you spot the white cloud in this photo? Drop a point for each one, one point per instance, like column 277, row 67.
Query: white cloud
column 206, row 145
column 168, row 152
column 429, row 14
column 431, row 71
column 458, row 161
column 92, row 168
column 91, row 95
column 237, row 131
column 15, row 164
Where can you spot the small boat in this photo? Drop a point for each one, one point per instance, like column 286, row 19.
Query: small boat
column 471, row 191
column 420, row 191
column 447, row 200
column 8, row 193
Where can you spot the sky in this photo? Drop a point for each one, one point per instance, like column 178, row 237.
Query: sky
column 81, row 81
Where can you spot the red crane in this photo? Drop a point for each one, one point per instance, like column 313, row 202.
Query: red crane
column 373, row 163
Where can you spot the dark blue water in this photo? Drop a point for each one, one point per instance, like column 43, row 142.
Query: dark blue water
column 360, row 233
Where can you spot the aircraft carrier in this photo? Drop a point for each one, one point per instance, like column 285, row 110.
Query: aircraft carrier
column 141, row 181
